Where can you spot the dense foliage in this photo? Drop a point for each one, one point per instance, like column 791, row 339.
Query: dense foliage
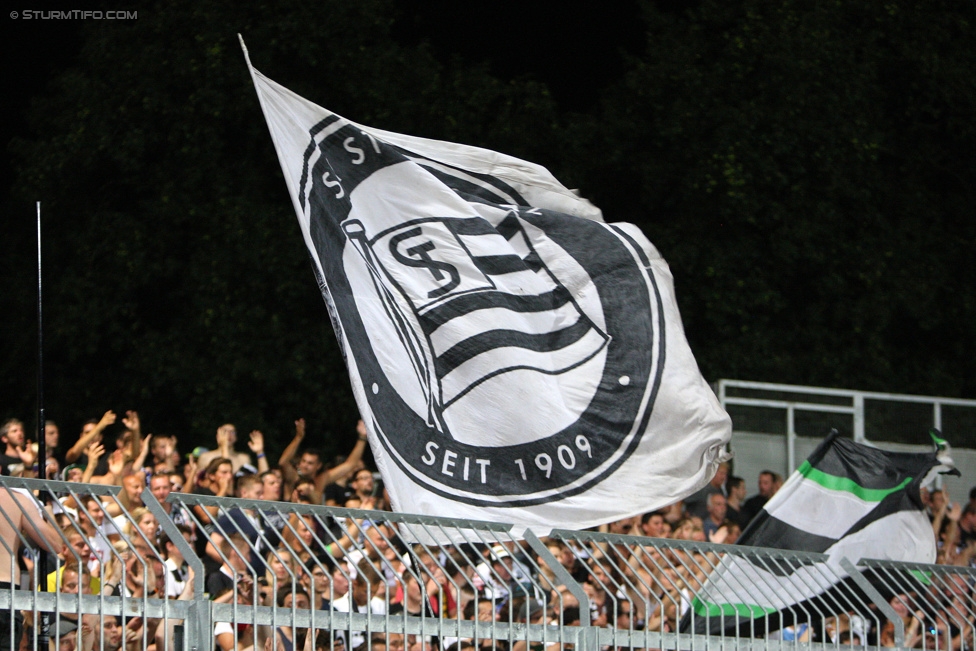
column 807, row 168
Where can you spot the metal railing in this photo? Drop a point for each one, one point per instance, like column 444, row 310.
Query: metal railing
column 290, row 577
column 793, row 410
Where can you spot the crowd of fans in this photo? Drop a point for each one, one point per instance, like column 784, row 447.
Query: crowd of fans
column 115, row 546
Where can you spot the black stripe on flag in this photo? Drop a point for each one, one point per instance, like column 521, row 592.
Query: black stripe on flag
column 495, row 265
column 509, row 227
column 769, row 531
column 473, row 226
column 308, row 154
column 896, row 502
column 867, row 467
column 465, row 304
column 485, row 341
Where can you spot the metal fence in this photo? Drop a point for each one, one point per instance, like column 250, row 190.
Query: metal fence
column 863, row 415
column 273, row 576
column 776, row 425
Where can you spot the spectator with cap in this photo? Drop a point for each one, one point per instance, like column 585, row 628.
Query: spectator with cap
column 501, row 574
column 67, row 635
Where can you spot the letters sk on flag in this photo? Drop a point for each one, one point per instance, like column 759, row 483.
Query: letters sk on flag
column 513, row 356
column 848, row 500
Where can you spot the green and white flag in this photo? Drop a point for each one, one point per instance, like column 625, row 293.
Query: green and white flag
column 848, row 500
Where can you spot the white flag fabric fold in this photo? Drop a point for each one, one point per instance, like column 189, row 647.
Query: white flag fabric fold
column 514, row 357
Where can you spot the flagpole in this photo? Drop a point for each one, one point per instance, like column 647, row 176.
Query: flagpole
column 41, row 460
column 43, row 633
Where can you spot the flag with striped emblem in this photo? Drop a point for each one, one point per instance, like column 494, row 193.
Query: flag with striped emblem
column 514, row 357
column 847, row 500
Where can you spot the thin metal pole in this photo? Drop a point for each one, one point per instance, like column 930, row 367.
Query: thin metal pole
column 41, row 460
column 43, row 629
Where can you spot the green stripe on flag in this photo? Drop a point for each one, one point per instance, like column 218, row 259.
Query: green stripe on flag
column 750, row 611
column 923, row 577
column 849, row 485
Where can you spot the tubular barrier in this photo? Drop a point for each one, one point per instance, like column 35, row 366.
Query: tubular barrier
column 241, row 575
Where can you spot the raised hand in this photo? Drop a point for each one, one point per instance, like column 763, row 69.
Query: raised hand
column 144, row 448
column 116, row 463
column 52, row 467
column 27, row 453
column 94, row 451
column 719, row 535
column 955, row 512
column 224, row 436
column 131, row 420
column 257, row 442
column 245, row 587
column 223, row 485
column 190, row 470
column 108, row 418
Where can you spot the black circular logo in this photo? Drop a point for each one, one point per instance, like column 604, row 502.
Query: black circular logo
column 510, row 356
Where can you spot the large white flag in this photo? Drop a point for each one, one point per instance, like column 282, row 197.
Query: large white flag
column 514, row 357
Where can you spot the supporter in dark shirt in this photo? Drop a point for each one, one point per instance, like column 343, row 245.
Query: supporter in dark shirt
column 736, row 501
column 17, row 457
column 753, row 505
